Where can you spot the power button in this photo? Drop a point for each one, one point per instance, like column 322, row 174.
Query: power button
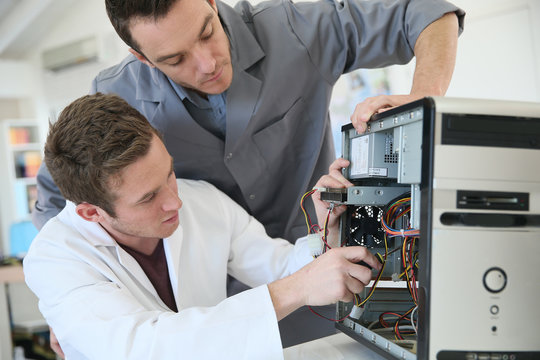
column 494, row 280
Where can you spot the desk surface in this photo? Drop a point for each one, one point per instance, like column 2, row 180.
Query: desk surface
column 333, row 347
column 8, row 274
column 11, row 273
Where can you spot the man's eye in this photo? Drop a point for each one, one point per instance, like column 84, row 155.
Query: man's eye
column 177, row 62
column 208, row 36
column 149, row 198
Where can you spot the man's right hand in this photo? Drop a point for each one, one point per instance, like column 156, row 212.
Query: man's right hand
column 55, row 345
column 333, row 276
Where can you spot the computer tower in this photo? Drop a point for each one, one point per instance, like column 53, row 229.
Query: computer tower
column 460, row 181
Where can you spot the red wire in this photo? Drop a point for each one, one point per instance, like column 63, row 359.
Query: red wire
column 383, row 322
column 402, row 317
column 413, row 278
column 324, row 317
column 325, row 235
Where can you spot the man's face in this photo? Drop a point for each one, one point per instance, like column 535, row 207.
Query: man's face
column 188, row 45
column 147, row 201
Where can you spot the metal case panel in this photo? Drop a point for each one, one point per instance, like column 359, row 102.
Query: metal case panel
column 477, row 283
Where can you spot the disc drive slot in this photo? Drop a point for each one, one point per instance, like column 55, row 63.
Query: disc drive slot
column 492, row 200
column 490, row 220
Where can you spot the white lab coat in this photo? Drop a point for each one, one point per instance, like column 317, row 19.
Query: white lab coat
column 101, row 305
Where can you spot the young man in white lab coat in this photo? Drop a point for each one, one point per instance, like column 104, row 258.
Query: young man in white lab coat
column 135, row 265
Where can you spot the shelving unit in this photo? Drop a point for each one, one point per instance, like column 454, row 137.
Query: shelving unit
column 21, row 156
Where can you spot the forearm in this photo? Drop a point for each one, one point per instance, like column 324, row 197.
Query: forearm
column 331, row 277
column 435, row 52
column 285, row 296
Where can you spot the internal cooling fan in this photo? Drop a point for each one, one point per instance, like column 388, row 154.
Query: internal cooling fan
column 365, row 227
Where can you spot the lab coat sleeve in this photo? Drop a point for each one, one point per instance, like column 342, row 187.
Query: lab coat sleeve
column 353, row 34
column 96, row 318
column 255, row 258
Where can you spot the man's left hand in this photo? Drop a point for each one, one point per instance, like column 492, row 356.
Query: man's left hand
column 376, row 104
column 334, row 179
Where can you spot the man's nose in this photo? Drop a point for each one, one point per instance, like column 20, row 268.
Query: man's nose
column 204, row 60
column 172, row 201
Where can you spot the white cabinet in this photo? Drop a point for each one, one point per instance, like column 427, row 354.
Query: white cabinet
column 21, row 156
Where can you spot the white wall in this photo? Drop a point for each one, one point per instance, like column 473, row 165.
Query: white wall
column 499, row 52
column 18, row 89
column 83, row 20
column 17, row 79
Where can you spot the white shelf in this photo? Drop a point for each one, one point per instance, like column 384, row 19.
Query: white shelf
column 25, row 147
column 20, row 156
column 26, row 180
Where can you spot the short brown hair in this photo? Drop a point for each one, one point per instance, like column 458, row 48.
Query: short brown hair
column 122, row 12
column 94, row 139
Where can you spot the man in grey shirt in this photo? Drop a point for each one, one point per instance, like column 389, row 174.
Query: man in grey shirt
column 241, row 94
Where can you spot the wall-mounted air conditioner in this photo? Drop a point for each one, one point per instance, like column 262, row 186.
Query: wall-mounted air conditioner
column 71, row 54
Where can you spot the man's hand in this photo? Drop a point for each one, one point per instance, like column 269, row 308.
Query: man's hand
column 333, row 276
column 435, row 51
column 376, row 104
column 55, row 345
column 334, row 179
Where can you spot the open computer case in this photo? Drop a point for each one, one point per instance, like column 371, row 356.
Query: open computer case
column 447, row 191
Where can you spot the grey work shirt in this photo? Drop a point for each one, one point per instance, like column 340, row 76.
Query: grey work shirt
column 286, row 59
column 210, row 113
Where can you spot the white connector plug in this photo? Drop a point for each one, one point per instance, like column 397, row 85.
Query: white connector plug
column 356, row 312
column 315, row 243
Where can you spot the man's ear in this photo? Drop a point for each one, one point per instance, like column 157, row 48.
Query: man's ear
column 141, row 57
column 213, row 5
column 89, row 212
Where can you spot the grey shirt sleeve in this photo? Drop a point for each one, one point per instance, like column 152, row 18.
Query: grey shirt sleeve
column 353, row 34
column 49, row 202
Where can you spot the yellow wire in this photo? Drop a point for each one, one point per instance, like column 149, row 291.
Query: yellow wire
column 380, row 273
column 404, row 254
column 304, row 210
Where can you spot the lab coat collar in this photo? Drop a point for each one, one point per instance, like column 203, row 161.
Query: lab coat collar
column 92, row 232
column 96, row 235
